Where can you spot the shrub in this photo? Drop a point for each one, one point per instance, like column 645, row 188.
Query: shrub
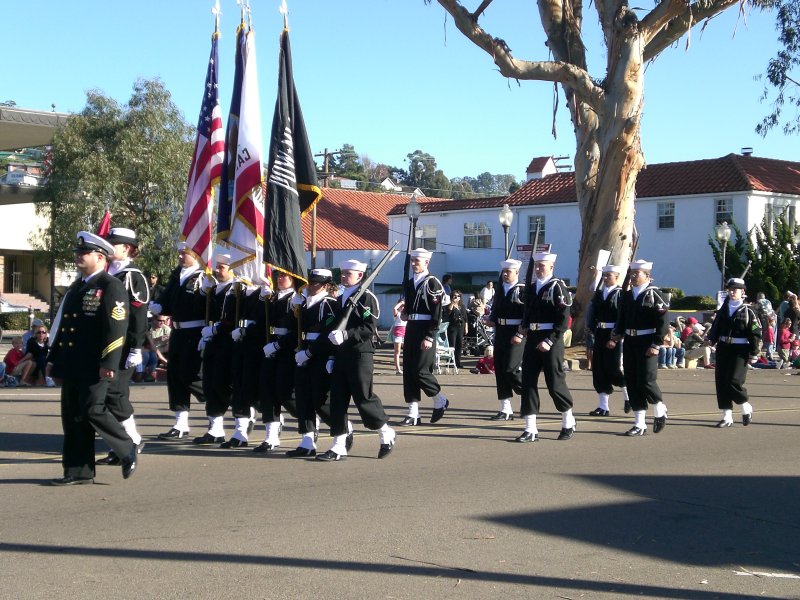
column 676, row 292
column 694, row 303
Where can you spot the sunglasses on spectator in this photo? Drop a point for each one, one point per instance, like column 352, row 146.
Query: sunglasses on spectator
column 41, row 333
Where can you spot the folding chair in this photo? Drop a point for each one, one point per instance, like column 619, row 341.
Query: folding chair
column 444, row 351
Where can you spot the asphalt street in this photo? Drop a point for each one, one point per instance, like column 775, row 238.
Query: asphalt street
column 458, row 510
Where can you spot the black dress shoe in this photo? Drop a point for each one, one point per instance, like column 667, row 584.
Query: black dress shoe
column 207, row 438
column 348, row 442
column 301, row 452
column 502, row 416
column 386, row 450
column 599, row 412
column 112, row 459
column 526, row 437
column 129, row 463
column 566, row 433
column 747, row 419
column 411, row 422
column 659, row 423
column 233, row 443
column 438, row 413
column 330, row 456
column 634, row 431
column 70, row 480
column 265, row 448
column 627, row 407
column 172, row 434
column 722, row 424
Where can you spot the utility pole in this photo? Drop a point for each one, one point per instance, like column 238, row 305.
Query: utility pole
column 325, row 174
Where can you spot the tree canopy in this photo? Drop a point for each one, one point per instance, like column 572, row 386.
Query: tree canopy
column 133, row 159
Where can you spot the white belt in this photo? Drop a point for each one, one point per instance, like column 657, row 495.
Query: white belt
column 417, row 317
column 635, row 332
column 540, row 326
column 733, row 340
column 247, row 322
column 509, row 321
column 279, row 331
column 602, row 325
column 187, row 324
column 312, row 336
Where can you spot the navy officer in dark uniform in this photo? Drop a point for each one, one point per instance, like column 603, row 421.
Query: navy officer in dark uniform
column 736, row 331
column 352, row 368
column 642, row 322
column 543, row 325
column 508, row 308
column 90, row 332
column 423, row 295
column 123, row 267
column 216, row 345
column 182, row 301
column 601, row 318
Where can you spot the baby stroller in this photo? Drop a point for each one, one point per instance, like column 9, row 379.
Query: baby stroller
column 478, row 337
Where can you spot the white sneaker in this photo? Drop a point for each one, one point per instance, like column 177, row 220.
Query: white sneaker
column 48, row 381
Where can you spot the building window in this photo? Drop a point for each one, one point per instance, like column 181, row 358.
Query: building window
column 477, row 235
column 666, row 215
column 724, row 211
column 427, row 237
column 533, row 221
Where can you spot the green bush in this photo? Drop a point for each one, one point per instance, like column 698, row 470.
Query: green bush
column 676, row 292
column 18, row 321
column 693, row 303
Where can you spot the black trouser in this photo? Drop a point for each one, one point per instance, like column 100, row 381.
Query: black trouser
column 418, row 363
column 641, row 372
column 84, row 412
column 455, row 337
column 217, row 357
column 606, row 367
column 352, row 378
column 507, row 362
column 118, row 397
column 312, row 394
column 730, row 374
column 534, row 362
column 276, row 388
column 184, row 367
column 248, row 354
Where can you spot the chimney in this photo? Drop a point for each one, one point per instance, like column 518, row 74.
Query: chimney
column 747, row 152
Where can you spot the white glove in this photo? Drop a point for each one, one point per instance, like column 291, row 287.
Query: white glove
column 134, row 359
column 266, row 292
column 207, row 283
column 298, row 300
column 337, row 337
column 237, row 334
column 301, row 357
column 271, row 349
column 207, row 332
column 201, row 345
column 155, row 308
column 329, row 366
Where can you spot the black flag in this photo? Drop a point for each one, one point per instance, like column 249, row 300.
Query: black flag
column 292, row 188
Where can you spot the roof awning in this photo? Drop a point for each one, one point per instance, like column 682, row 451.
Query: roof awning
column 20, row 128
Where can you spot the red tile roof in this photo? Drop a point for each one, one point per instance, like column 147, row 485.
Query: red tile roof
column 537, row 164
column 351, row 220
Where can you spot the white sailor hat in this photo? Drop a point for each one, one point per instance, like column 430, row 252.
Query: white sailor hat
column 223, row 259
column 641, row 265
column 545, row 257
column 612, row 269
column 182, row 246
column 735, row 283
column 122, row 235
column 352, row 265
column 511, row 264
column 320, row 276
column 90, row 242
column 421, row 253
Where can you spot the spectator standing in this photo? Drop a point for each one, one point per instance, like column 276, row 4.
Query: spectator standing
column 487, row 293
column 768, row 334
column 455, row 314
column 398, row 335
column 156, row 289
column 784, row 343
column 793, row 313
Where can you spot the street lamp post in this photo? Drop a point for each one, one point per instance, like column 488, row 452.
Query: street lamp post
column 723, row 235
column 796, row 239
column 506, row 218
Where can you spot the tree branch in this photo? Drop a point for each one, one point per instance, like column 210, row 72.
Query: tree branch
column 660, row 16
column 478, row 11
column 568, row 74
column 690, row 16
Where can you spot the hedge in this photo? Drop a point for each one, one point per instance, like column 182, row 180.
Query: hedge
column 693, row 303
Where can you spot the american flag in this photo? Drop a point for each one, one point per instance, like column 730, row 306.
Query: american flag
column 209, row 150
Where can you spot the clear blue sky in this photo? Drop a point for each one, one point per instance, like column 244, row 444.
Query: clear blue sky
column 392, row 76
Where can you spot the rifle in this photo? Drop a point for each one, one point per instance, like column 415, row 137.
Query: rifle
column 626, row 283
column 351, row 302
column 529, row 273
column 749, row 264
